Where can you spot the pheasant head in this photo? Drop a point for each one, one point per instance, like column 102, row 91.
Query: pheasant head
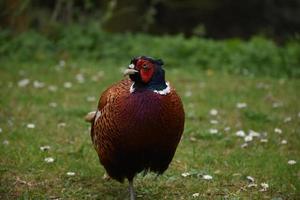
column 147, row 73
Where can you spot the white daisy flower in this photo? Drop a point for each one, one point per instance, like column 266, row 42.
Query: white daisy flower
column 287, row 119
column 61, row 124
column 227, row 129
column 241, row 105
column 213, row 131
column 213, row 112
column 214, row 121
column 23, row 82
column 5, row 142
column 277, row 104
column 248, row 138
column 195, row 195
column 67, row 84
column 250, row 178
column 207, row 177
column 263, row 140
column 240, row 133
column 45, row 148
column 31, row 126
column 53, row 104
column 292, row 162
column 71, row 173
column 278, row 130
column 52, row 88
column 244, row 145
column 38, row 84
column 80, row 78
column 254, row 133
column 264, row 186
column 185, row 174
column 283, row 142
column 193, row 139
column 49, row 160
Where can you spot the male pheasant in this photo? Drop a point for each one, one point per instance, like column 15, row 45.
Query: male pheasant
column 138, row 123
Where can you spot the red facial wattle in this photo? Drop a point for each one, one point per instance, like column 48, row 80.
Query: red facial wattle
column 146, row 69
column 146, row 74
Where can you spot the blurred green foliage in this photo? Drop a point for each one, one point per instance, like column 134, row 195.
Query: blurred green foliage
column 279, row 19
column 257, row 56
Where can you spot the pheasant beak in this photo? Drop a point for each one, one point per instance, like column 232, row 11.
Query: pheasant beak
column 130, row 71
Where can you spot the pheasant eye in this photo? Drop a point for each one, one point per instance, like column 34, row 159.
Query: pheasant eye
column 145, row 66
column 131, row 66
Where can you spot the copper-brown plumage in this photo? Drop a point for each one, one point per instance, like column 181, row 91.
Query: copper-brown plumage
column 137, row 130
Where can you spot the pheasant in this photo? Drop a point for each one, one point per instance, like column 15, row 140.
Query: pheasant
column 138, row 123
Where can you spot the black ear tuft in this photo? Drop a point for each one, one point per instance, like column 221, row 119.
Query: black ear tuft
column 133, row 60
column 159, row 62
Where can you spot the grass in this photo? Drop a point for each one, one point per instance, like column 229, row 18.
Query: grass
column 25, row 175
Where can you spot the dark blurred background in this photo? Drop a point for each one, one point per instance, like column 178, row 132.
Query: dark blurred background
column 218, row 19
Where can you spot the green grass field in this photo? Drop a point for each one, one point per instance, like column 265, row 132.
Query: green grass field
column 58, row 96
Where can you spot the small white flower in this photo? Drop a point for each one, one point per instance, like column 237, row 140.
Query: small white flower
column 264, row 186
column 106, row 176
column 213, row 131
column 292, row 162
column 207, row 177
column 244, row 145
column 214, row 121
column 250, row 178
column 52, row 88
column 287, row 119
column 241, row 105
column 277, row 104
column 31, row 126
column 278, row 130
column 23, row 82
column 61, row 124
column 38, row 84
column 227, row 129
column 5, row 142
column 53, row 104
column 193, row 139
column 195, row 195
column 213, row 112
column 90, row 99
column 67, row 84
column 80, row 78
column 185, row 174
column 45, row 148
column 283, row 142
column 254, row 133
column 0, row 130
column 263, row 140
column 49, row 160
column 298, row 114
column 240, row 133
column 248, row 138
column 71, row 173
